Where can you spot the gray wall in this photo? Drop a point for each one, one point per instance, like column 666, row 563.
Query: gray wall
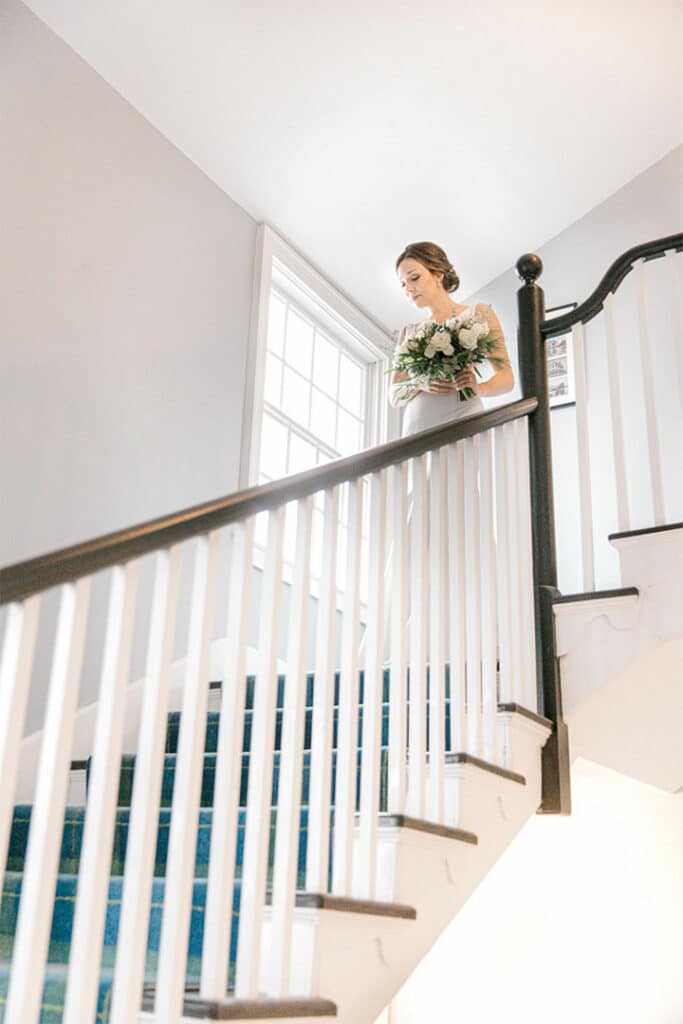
column 125, row 293
column 125, row 290
column 648, row 207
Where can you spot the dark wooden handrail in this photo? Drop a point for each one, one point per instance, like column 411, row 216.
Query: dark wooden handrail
column 609, row 283
column 25, row 578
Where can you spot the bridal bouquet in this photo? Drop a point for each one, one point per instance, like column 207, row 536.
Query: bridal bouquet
column 432, row 351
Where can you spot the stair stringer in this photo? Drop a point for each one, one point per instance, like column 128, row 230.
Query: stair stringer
column 621, row 664
column 360, row 961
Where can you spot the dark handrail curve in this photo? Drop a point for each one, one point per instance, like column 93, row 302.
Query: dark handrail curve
column 25, row 578
column 609, row 283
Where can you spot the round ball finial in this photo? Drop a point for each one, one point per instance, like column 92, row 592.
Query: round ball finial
column 529, row 267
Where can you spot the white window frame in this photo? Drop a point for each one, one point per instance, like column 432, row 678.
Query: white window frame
column 333, row 307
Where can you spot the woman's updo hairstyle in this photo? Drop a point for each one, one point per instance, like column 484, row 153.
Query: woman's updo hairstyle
column 433, row 258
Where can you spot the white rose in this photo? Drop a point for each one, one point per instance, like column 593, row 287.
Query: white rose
column 430, row 351
column 448, row 349
column 453, row 323
column 441, row 339
column 413, row 345
column 468, row 337
column 480, row 330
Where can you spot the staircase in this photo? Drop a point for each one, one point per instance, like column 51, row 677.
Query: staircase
column 295, row 853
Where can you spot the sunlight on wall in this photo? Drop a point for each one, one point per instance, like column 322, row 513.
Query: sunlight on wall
column 582, row 914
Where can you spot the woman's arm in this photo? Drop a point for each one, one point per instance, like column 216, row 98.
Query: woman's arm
column 399, row 394
column 503, row 379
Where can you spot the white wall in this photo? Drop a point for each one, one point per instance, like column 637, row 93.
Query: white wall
column 125, row 290
column 648, row 207
column 580, row 920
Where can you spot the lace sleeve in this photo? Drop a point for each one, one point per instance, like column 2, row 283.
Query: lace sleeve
column 400, row 392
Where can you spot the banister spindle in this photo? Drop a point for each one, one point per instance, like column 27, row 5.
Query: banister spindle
column 98, row 834
column 417, row 710
column 372, row 695
column 182, row 843
column 676, row 262
column 533, row 371
column 47, row 817
column 291, row 759
column 472, row 569
column 456, row 594
column 489, row 611
column 584, row 456
column 317, row 852
column 652, row 427
column 398, row 689
column 347, row 735
column 144, row 811
column 15, row 684
column 503, row 568
column 618, row 442
column 224, row 826
column 438, row 544
column 258, row 816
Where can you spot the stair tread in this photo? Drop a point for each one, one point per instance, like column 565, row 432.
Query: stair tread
column 348, row 904
column 666, row 528
column 486, row 766
column 519, row 709
column 596, row 595
column 263, row 1007
column 420, row 825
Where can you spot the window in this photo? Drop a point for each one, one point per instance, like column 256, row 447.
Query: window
column 318, row 380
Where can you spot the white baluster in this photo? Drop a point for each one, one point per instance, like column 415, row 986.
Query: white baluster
column 514, row 564
column 456, row 594
column 398, row 610
column 98, row 835
column 224, row 825
column 182, row 843
column 439, row 540
column 503, row 568
column 488, row 601
column 317, row 851
column 676, row 261
column 347, row 736
column 15, row 684
column 419, row 595
column 529, row 694
column 143, row 828
column 372, row 693
column 47, row 817
column 473, row 590
column 291, row 759
column 614, row 375
column 257, row 831
column 583, row 448
column 653, row 444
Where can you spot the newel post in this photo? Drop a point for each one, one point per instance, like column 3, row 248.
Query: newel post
column 534, row 380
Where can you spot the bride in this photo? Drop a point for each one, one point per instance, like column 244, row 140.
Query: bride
column 427, row 278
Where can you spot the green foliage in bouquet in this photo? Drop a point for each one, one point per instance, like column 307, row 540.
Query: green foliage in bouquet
column 438, row 352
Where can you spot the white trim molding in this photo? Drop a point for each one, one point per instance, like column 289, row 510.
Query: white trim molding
column 275, row 258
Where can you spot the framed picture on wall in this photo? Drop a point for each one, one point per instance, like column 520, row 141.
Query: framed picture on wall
column 560, row 360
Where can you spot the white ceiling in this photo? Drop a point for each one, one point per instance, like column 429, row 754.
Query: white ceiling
column 354, row 128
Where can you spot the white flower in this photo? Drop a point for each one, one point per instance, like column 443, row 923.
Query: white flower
column 430, row 351
column 467, row 337
column 453, row 323
column 425, row 327
column 448, row 349
column 441, row 339
column 413, row 344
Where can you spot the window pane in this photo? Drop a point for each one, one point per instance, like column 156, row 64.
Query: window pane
column 302, row 454
column 348, row 433
column 276, row 325
column 273, row 448
column 326, row 365
column 299, row 348
column 273, row 380
column 350, row 384
column 296, row 397
column 323, row 417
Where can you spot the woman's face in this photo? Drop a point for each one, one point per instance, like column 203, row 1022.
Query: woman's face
column 420, row 285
